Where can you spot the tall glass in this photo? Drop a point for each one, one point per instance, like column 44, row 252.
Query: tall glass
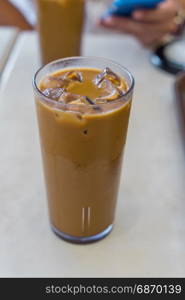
column 82, row 155
column 60, row 27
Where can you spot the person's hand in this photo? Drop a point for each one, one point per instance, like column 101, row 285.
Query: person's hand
column 148, row 26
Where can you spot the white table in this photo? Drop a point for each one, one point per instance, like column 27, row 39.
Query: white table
column 7, row 38
column 149, row 234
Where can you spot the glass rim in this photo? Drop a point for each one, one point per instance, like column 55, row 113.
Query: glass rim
column 60, row 104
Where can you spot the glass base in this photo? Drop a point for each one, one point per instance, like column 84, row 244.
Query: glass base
column 82, row 240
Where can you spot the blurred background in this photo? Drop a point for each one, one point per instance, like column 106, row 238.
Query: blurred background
column 21, row 14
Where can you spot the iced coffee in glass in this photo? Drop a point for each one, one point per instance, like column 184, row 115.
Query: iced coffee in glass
column 83, row 107
column 60, row 27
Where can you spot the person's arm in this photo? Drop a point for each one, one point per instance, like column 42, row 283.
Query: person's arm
column 148, row 26
column 11, row 16
column 181, row 3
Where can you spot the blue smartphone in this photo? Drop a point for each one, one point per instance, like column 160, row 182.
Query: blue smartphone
column 125, row 8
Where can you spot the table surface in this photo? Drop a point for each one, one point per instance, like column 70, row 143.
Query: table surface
column 149, row 234
column 7, row 38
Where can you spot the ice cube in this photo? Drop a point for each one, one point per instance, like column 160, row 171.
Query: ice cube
column 106, row 87
column 53, row 94
column 74, row 76
column 92, row 103
column 108, row 92
column 108, row 74
column 111, row 93
column 77, row 102
column 89, row 101
column 71, row 98
column 100, row 100
column 54, row 82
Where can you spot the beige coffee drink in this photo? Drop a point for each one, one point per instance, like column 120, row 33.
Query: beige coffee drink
column 83, row 115
column 60, row 27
